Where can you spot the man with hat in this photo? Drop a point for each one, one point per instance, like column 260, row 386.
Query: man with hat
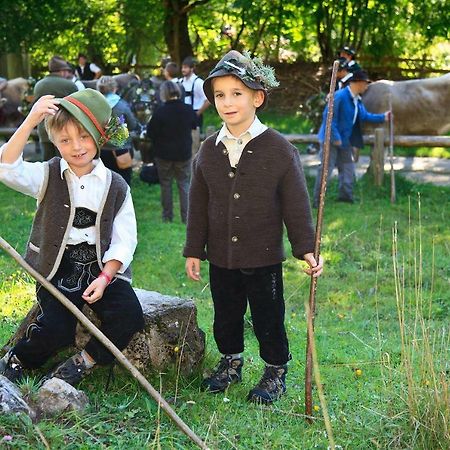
column 349, row 54
column 348, row 113
column 58, row 83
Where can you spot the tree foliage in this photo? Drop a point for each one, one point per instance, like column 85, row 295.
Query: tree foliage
column 119, row 33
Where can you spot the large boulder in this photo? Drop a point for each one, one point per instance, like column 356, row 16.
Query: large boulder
column 171, row 336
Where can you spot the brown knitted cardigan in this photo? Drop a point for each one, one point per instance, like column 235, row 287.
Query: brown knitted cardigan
column 235, row 219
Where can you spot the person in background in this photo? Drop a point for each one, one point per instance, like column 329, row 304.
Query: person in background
column 193, row 87
column 73, row 77
column 118, row 160
column 170, row 132
column 349, row 54
column 348, row 112
column 171, row 73
column 56, row 83
column 87, row 70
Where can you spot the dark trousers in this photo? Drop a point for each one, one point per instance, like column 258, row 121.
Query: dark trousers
column 262, row 288
column 342, row 157
column 119, row 311
column 181, row 171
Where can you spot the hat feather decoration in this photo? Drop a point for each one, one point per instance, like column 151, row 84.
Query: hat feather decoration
column 116, row 132
column 260, row 72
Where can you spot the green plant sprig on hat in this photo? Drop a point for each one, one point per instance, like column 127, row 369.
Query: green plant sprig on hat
column 116, row 132
column 260, row 72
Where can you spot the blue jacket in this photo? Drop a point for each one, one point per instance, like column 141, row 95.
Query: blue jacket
column 344, row 111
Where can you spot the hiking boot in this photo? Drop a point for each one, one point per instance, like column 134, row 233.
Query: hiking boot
column 11, row 367
column 71, row 371
column 227, row 371
column 271, row 386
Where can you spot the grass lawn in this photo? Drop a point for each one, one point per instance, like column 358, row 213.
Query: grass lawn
column 357, row 327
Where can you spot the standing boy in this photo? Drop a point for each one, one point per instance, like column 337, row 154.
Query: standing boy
column 83, row 235
column 246, row 181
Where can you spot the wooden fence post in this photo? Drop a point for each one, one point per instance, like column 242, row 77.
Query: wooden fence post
column 378, row 157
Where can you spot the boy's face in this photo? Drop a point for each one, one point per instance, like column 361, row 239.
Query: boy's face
column 236, row 103
column 77, row 147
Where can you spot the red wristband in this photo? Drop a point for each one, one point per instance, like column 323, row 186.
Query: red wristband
column 105, row 276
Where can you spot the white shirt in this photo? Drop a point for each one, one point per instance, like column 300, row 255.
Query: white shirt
column 88, row 190
column 355, row 97
column 93, row 68
column 199, row 95
column 236, row 145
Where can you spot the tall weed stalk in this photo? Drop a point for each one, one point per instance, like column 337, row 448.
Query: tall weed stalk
column 425, row 343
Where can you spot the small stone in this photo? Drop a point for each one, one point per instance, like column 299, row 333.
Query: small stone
column 11, row 400
column 56, row 396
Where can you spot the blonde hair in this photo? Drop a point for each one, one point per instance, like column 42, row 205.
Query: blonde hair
column 59, row 121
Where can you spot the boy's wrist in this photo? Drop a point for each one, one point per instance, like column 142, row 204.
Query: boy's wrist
column 106, row 277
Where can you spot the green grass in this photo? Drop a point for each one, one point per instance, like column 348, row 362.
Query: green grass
column 356, row 327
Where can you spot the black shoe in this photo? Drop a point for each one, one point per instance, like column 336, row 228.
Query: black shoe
column 71, row 371
column 227, row 371
column 11, row 367
column 345, row 200
column 271, row 386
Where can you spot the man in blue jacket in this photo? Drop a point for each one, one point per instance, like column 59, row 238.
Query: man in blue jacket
column 348, row 113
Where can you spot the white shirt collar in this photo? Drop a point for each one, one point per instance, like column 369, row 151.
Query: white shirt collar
column 99, row 169
column 255, row 129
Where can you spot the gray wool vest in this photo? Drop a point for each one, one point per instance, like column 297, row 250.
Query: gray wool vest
column 54, row 218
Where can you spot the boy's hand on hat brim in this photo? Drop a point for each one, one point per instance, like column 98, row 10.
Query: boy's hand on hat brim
column 47, row 105
column 314, row 269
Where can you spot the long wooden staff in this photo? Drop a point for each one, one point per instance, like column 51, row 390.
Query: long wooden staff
column 313, row 286
column 391, row 150
column 106, row 342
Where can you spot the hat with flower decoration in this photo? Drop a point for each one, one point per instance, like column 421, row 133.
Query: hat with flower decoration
column 251, row 71
column 92, row 110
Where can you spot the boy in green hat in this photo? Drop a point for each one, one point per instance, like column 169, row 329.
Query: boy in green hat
column 246, row 181
column 83, row 235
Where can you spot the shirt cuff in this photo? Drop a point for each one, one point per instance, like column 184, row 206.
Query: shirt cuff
column 119, row 255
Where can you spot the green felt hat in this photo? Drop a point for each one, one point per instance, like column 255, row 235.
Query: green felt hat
column 92, row 110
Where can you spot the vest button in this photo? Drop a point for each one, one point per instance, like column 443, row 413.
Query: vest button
column 234, row 239
column 236, row 195
column 225, row 151
column 231, row 174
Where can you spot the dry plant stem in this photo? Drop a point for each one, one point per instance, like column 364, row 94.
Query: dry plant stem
column 391, row 151
column 106, row 342
column 318, row 236
column 323, row 403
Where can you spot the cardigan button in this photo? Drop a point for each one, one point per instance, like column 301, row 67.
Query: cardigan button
column 234, row 239
column 231, row 174
column 236, row 195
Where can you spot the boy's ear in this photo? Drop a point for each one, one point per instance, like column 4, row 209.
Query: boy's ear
column 258, row 98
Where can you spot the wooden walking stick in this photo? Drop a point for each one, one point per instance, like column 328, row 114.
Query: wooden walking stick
column 313, row 286
column 391, row 150
column 106, row 342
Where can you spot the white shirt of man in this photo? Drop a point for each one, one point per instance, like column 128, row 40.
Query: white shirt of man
column 93, row 67
column 87, row 191
column 236, row 145
column 194, row 84
column 355, row 97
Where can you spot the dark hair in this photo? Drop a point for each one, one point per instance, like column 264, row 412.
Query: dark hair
column 169, row 90
column 172, row 69
column 189, row 61
column 82, row 55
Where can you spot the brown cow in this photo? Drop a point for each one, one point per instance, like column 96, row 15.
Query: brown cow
column 421, row 107
column 12, row 93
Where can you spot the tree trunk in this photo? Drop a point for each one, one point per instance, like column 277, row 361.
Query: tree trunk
column 176, row 32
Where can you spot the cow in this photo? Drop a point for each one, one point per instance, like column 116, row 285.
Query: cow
column 12, row 95
column 421, row 106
